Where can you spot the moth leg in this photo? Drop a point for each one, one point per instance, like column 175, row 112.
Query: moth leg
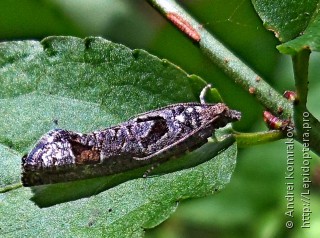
column 148, row 171
column 175, row 144
column 203, row 93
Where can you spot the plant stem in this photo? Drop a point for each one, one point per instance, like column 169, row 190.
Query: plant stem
column 241, row 74
column 306, row 125
column 231, row 65
column 300, row 67
column 256, row 138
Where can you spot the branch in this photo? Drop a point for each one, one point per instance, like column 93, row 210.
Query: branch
column 306, row 125
column 256, row 138
column 231, row 65
column 241, row 74
column 300, row 67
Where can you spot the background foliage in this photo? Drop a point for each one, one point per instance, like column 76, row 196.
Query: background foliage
column 253, row 204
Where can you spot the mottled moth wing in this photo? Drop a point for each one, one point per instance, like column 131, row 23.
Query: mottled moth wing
column 149, row 138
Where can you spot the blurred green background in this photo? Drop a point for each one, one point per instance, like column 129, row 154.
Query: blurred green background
column 253, row 204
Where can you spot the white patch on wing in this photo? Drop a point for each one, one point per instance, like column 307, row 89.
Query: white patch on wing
column 189, row 110
column 181, row 118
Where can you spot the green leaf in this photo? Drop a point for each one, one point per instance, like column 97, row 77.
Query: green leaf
column 310, row 39
column 87, row 85
column 287, row 19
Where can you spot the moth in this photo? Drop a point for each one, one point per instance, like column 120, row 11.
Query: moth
column 147, row 139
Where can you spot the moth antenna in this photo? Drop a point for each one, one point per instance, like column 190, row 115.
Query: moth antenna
column 203, row 93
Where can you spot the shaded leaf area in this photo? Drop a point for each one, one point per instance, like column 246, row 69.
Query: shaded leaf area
column 310, row 39
column 287, row 19
column 86, row 85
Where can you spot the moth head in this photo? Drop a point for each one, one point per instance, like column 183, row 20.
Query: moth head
column 220, row 115
column 233, row 115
